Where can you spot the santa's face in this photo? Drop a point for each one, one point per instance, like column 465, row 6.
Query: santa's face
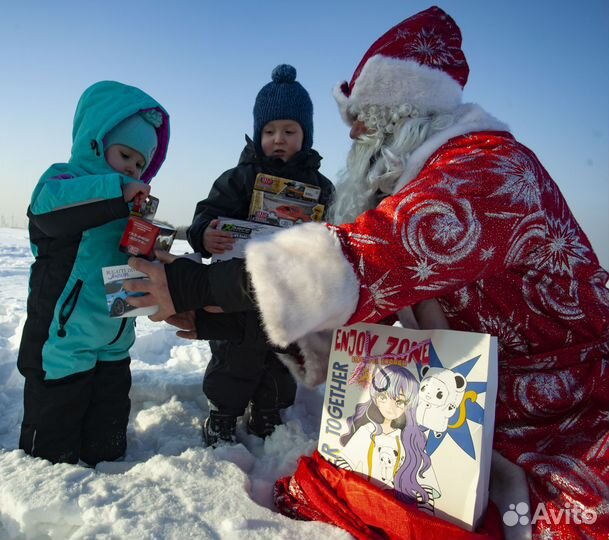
column 355, row 193
column 358, row 129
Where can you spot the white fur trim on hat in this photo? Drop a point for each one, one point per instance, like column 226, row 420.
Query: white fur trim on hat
column 302, row 281
column 386, row 81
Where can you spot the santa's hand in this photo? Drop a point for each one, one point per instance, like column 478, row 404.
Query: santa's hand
column 155, row 290
column 186, row 322
column 184, row 285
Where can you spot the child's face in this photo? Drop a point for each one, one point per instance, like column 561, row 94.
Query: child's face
column 281, row 139
column 126, row 160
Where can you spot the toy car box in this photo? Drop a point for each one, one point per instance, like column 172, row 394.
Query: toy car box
column 142, row 235
column 116, row 295
column 284, row 203
column 242, row 231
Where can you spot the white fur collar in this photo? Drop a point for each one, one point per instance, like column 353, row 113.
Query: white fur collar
column 469, row 118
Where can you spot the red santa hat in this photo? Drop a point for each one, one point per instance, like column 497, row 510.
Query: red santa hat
column 418, row 62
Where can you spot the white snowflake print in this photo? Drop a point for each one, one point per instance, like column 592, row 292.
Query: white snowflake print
column 554, row 387
column 416, row 232
column 399, row 35
column 550, row 297
column 573, row 419
column 562, row 249
column 429, row 48
column 487, row 253
column 598, row 281
column 528, row 232
column 465, row 161
column 447, row 228
column 423, row 270
column 451, row 183
column 547, row 534
column 380, row 293
column 508, row 332
column 521, row 179
column 459, row 301
column 441, row 285
column 366, row 239
column 503, row 215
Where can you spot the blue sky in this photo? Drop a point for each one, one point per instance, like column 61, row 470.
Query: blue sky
column 540, row 66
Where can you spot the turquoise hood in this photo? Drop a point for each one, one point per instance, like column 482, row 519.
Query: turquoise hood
column 101, row 107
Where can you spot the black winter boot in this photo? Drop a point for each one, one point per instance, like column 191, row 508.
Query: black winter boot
column 262, row 422
column 220, row 429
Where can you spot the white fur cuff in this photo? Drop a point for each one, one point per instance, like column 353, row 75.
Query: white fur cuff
column 302, row 281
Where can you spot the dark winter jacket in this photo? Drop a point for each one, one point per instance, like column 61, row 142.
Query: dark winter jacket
column 76, row 219
column 231, row 193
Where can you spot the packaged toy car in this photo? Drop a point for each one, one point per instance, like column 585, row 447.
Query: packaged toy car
column 116, row 296
column 284, row 203
column 142, row 235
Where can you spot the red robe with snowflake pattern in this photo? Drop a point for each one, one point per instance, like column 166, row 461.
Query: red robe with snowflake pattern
column 484, row 229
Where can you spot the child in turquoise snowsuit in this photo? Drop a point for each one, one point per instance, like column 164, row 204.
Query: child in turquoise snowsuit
column 74, row 357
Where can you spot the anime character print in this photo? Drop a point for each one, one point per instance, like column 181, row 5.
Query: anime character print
column 384, row 441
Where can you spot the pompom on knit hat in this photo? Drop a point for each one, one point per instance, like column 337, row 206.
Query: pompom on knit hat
column 137, row 132
column 283, row 99
column 418, row 63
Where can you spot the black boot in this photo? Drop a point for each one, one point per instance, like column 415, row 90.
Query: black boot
column 262, row 422
column 220, row 429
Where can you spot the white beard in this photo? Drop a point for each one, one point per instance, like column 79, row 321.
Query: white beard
column 355, row 191
column 375, row 164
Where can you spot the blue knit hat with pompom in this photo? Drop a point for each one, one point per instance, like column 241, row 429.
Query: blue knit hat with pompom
column 283, row 99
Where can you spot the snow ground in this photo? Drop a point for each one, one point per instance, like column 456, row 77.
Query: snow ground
column 170, row 486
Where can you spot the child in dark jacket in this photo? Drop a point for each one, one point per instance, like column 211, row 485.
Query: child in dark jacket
column 73, row 355
column 245, row 371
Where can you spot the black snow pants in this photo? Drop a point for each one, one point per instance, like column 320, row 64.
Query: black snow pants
column 247, row 370
column 83, row 416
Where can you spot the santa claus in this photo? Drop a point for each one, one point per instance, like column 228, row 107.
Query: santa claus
column 440, row 209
